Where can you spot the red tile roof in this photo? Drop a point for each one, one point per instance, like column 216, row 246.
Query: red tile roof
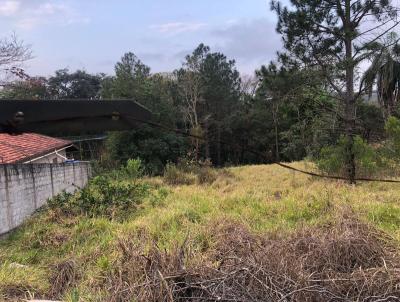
column 27, row 146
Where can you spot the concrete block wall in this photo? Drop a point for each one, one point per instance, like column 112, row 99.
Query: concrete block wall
column 25, row 188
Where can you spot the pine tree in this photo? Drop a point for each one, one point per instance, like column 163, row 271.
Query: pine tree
column 337, row 36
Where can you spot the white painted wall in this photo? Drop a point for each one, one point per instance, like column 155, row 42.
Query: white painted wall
column 24, row 188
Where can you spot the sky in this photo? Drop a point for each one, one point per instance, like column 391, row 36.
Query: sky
column 94, row 34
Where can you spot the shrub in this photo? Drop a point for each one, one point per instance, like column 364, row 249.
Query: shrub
column 391, row 148
column 381, row 160
column 105, row 197
column 158, row 196
column 187, row 172
column 134, row 168
column 187, row 165
column 333, row 159
column 206, row 175
column 175, row 176
column 60, row 201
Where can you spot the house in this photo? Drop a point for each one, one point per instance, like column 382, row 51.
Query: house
column 32, row 148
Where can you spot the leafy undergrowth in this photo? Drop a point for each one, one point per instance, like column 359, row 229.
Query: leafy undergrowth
column 254, row 233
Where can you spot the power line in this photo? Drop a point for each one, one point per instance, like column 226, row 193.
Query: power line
column 184, row 133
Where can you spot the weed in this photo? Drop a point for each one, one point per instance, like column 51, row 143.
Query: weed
column 159, row 196
column 64, row 277
column 134, row 168
column 60, row 200
column 103, row 197
column 343, row 261
column 175, row 176
column 183, row 236
column 206, row 175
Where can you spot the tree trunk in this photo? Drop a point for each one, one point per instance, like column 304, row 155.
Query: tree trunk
column 197, row 150
column 207, row 142
column 349, row 96
column 218, row 144
column 275, row 118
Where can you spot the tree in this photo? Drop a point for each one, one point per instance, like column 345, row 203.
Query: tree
column 222, row 84
column 209, row 88
column 130, row 76
column 33, row 88
column 156, row 92
column 273, row 94
column 191, row 91
column 248, row 87
column 76, row 85
column 294, row 95
column 336, row 35
column 13, row 52
column 385, row 72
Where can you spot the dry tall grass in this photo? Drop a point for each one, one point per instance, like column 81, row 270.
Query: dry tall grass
column 256, row 233
column 345, row 261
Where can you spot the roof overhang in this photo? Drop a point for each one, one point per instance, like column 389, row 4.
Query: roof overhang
column 55, row 117
column 43, row 154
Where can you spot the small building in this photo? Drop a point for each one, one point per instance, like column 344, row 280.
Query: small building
column 32, row 148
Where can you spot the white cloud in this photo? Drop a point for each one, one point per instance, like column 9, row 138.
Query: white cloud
column 28, row 15
column 49, row 8
column 28, row 23
column 249, row 40
column 9, row 8
column 178, row 27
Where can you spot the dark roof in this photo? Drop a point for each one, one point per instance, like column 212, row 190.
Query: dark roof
column 70, row 117
column 27, row 146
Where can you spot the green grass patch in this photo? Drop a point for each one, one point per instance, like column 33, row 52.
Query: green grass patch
column 262, row 198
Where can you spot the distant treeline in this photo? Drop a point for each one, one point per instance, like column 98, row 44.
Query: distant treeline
column 282, row 112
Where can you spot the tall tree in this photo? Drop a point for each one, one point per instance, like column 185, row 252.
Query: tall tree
column 191, row 91
column 76, row 85
column 222, row 86
column 295, row 96
column 210, row 89
column 130, row 77
column 133, row 80
column 337, row 35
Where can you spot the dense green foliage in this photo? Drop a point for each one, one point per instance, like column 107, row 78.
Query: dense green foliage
column 332, row 158
column 116, row 193
column 371, row 159
column 284, row 112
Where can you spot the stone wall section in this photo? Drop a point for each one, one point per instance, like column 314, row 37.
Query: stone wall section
column 24, row 188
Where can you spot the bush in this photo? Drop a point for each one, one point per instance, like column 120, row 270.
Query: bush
column 206, row 175
column 187, row 172
column 187, row 165
column 60, row 201
column 392, row 144
column 381, row 160
column 333, row 159
column 106, row 197
column 175, row 176
column 103, row 197
column 113, row 194
column 134, row 168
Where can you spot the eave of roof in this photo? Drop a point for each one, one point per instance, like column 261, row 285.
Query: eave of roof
column 39, row 156
column 27, row 146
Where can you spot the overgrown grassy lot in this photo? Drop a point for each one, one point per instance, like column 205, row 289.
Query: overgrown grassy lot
column 253, row 233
